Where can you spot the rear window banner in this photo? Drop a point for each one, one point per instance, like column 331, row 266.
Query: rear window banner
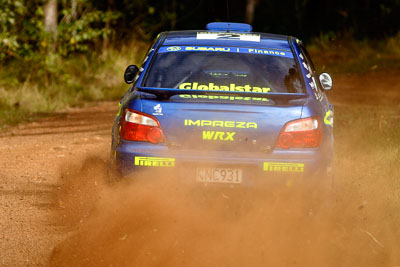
column 270, row 52
column 223, row 98
column 227, row 88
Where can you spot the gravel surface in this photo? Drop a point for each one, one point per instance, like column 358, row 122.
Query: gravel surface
column 31, row 156
column 37, row 160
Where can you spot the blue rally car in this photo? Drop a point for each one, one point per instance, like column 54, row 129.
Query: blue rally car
column 225, row 105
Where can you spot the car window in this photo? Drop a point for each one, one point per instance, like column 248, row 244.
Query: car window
column 224, row 69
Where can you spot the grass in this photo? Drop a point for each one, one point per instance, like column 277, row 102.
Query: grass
column 40, row 86
column 370, row 134
column 351, row 56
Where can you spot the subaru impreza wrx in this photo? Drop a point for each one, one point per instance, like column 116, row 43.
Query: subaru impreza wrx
column 225, row 105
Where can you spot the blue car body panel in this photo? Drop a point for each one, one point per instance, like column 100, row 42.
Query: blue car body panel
column 246, row 130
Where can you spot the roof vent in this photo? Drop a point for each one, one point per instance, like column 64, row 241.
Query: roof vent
column 229, row 26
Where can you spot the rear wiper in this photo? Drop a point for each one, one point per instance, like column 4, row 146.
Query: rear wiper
column 166, row 93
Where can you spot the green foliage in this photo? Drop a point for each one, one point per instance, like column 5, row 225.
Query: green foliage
column 21, row 28
column 83, row 33
column 29, row 88
column 23, row 33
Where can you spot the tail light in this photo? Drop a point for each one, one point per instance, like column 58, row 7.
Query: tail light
column 303, row 133
column 137, row 126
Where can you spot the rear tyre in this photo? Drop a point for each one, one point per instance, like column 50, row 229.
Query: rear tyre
column 113, row 175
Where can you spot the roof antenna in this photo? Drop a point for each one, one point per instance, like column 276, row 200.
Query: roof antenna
column 227, row 13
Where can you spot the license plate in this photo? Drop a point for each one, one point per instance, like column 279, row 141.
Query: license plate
column 219, row 175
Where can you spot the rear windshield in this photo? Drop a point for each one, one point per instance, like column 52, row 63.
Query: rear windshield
column 224, row 69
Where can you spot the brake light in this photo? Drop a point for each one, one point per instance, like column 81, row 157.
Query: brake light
column 303, row 133
column 137, row 126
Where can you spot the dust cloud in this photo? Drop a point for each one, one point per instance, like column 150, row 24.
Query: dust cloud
column 158, row 221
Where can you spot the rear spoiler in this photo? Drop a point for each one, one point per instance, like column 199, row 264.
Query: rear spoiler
column 166, row 93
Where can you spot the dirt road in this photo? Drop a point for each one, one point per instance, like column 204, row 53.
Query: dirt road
column 37, row 158
column 31, row 160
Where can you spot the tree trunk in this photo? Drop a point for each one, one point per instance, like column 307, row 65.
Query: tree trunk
column 249, row 15
column 50, row 18
column 106, row 39
column 74, row 6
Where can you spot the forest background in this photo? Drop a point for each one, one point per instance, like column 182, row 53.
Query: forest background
column 60, row 53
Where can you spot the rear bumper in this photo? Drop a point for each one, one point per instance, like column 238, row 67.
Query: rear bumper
column 135, row 157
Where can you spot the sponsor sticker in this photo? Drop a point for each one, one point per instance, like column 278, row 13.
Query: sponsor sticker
column 154, row 162
column 157, row 110
column 119, row 109
column 245, row 50
column 231, row 87
column 174, row 48
column 328, row 119
column 283, row 167
column 251, row 37
column 218, row 135
column 223, row 124
column 230, row 98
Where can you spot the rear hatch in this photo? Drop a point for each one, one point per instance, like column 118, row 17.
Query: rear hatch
column 224, row 127
column 196, row 91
